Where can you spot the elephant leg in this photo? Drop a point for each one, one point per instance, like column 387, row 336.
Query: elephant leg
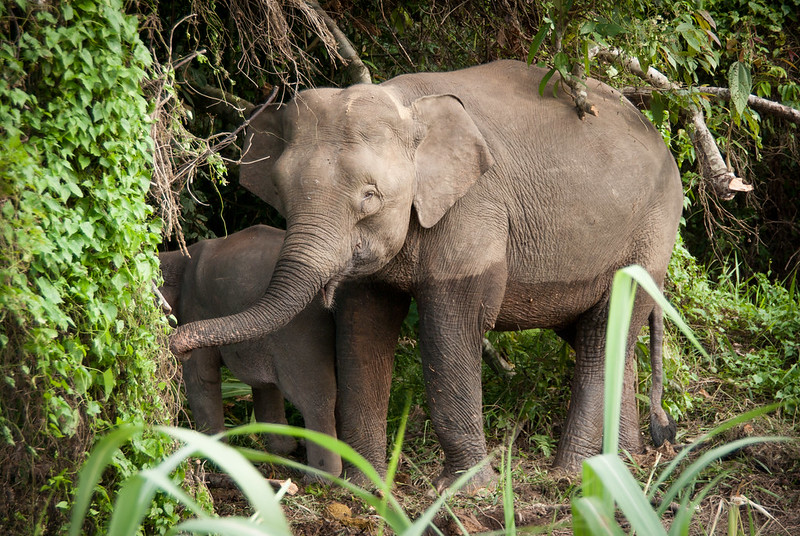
column 201, row 374
column 309, row 382
column 582, row 436
column 368, row 322
column 318, row 414
column 268, row 407
column 451, row 333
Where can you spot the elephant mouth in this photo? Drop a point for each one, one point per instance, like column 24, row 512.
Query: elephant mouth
column 328, row 291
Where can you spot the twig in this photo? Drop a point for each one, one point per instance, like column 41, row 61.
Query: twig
column 227, row 140
column 492, row 357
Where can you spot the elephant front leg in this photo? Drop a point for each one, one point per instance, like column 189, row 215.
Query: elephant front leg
column 268, row 407
column 451, row 332
column 203, row 380
column 368, row 322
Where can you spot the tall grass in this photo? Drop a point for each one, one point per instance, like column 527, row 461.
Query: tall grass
column 137, row 492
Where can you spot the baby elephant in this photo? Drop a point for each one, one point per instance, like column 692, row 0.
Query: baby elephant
column 225, row 276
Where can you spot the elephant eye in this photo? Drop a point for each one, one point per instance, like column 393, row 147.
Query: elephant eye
column 370, row 201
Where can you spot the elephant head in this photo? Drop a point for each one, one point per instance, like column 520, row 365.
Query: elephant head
column 345, row 167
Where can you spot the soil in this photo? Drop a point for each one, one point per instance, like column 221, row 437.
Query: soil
column 762, row 487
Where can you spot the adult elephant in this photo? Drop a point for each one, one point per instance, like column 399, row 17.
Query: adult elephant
column 493, row 206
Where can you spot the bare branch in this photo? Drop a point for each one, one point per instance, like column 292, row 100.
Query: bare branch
column 492, row 357
column 355, row 67
column 762, row 106
column 712, row 166
column 188, row 168
column 640, row 96
column 230, row 108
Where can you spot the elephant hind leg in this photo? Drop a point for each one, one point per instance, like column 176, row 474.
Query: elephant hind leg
column 583, row 433
column 269, row 408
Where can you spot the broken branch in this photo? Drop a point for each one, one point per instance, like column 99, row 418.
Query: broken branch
column 355, row 67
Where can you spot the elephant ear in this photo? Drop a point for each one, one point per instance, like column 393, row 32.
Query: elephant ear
column 263, row 146
column 451, row 154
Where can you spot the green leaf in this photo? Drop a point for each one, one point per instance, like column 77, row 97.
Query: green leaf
column 740, row 83
column 109, row 381
column 49, row 292
column 562, row 64
column 545, row 79
column 92, row 470
column 618, row 482
column 657, row 106
column 537, row 41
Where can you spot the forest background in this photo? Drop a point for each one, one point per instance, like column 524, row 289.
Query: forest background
column 119, row 139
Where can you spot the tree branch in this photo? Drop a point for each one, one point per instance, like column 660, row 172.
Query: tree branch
column 228, row 107
column 640, row 97
column 358, row 72
column 712, row 166
column 762, row 106
column 492, row 357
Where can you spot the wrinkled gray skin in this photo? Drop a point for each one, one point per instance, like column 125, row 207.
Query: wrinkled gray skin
column 493, row 206
column 222, row 277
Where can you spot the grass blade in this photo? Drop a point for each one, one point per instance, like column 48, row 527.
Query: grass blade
column 92, row 471
column 690, row 473
column 591, row 518
column 240, row 526
column 133, row 500
column 623, row 292
column 621, row 486
column 727, row 425
column 259, row 494
column 334, row 445
column 426, row 519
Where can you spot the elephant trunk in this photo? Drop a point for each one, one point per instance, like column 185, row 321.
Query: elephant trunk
column 302, row 270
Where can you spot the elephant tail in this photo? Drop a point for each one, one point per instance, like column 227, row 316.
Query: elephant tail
column 662, row 426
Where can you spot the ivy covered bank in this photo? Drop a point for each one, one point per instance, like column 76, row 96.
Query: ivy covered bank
column 79, row 329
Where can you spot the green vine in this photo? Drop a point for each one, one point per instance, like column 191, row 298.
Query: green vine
column 81, row 340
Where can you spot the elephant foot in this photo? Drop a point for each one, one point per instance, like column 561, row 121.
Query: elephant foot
column 567, row 465
column 663, row 429
column 485, row 479
column 281, row 444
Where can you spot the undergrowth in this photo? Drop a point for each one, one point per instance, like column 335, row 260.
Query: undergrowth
column 750, row 327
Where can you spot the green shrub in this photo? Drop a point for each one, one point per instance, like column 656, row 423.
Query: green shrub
column 81, row 340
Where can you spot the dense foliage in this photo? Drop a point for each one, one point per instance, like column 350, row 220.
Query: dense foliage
column 81, row 346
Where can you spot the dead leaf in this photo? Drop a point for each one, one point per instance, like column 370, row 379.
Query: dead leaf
column 342, row 513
